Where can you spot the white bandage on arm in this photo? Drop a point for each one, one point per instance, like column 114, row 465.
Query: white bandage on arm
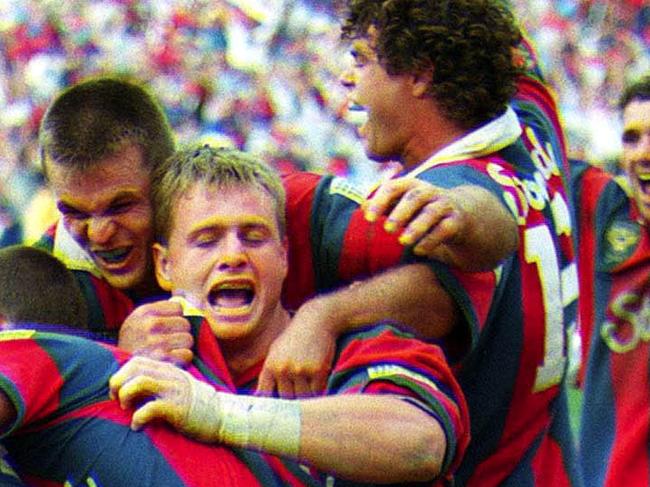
column 260, row 423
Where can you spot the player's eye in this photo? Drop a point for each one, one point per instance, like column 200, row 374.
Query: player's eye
column 631, row 136
column 254, row 235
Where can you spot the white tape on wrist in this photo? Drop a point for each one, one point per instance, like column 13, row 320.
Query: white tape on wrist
column 266, row 424
column 203, row 417
column 260, row 423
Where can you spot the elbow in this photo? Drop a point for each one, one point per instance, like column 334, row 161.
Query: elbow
column 434, row 447
column 425, row 458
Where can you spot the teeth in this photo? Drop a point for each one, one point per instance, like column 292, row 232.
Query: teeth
column 112, row 256
column 644, row 177
column 356, row 116
column 232, row 296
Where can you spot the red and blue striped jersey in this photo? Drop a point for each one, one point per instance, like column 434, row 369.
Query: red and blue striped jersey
column 68, row 432
column 378, row 359
column 322, row 213
column 615, row 310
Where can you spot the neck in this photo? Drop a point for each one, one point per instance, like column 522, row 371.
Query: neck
column 145, row 290
column 432, row 132
column 245, row 353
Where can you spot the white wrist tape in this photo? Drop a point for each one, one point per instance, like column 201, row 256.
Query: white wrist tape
column 260, row 423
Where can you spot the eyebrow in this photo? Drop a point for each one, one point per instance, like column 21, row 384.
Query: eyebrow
column 247, row 221
column 121, row 197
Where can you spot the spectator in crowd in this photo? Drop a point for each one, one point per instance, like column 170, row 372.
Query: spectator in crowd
column 614, row 303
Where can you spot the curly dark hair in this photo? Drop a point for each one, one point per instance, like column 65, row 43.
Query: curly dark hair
column 467, row 46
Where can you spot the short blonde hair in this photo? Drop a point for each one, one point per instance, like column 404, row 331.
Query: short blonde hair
column 223, row 167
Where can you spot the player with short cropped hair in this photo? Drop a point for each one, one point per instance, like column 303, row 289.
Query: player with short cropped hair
column 99, row 140
column 614, row 305
column 36, row 288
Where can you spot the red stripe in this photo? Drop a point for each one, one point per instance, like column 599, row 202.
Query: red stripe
column 299, row 284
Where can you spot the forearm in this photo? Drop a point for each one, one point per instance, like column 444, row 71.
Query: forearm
column 359, row 437
column 368, row 438
column 410, row 295
column 490, row 232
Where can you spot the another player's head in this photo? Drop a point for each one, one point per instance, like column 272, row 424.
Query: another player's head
column 635, row 105
column 99, row 141
column 407, row 53
column 35, row 287
column 220, row 241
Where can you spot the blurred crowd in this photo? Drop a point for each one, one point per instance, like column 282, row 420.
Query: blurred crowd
column 263, row 75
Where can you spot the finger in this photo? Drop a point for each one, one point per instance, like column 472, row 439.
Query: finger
column 318, row 384
column 413, row 202
column 125, row 373
column 285, row 388
column 425, row 223
column 172, row 339
column 139, row 388
column 266, row 384
column 384, row 197
column 160, row 308
column 152, row 410
column 302, row 386
column 181, row 357
column 445, row 231
column 171, row 324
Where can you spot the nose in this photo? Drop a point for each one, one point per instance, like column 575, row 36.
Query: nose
column 347, row 78
column 100, row 229
column 232, row 254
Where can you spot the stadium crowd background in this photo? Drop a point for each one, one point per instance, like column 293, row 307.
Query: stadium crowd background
column 263, row 75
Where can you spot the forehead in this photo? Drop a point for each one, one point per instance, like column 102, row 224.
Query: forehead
column 637, row 113
column 233, row 205
column 125, row 163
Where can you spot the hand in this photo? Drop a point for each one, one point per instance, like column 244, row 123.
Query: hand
column 299, row 360
column 430, row 215
column 159, row 331
column 170, row 394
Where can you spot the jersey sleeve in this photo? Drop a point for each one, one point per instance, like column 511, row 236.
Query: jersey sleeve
column 473, row 292
column 41, row 374
column 330, row 241
column 383, row 360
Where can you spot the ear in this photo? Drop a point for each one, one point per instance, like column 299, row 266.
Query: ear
column 285, row 255
column 162, row 266
column 420, row 83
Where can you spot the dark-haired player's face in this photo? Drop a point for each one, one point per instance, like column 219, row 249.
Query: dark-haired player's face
column 107, row 210
column 383, row 98
column 636, row 152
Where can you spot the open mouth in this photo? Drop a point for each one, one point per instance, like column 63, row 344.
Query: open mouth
column 356, row 114
column 644, row 182
column 112, row 257
column 232, row 297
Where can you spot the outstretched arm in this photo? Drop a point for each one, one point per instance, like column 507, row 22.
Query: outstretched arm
column 299, row 360
column 466, row 227
column 366, row 438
